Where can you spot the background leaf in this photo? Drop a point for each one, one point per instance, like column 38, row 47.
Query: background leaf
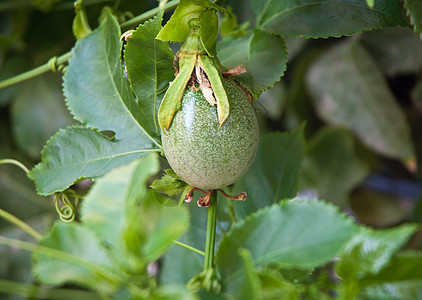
column 39, row 102
column 149, row 64
column 348, row 90
column 274, row 173
column 369, row 251
column 104, row 209
column 313, row 19
column 331, row 166
column 401, row 279
column 395, row 50
column 414, row 11
column 173, row 292
column 90, row 259
column 263, row 55
column 251, row 286
column 280, row 235
column 126, row 216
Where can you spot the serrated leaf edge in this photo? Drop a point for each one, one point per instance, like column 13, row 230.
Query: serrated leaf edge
column 262, row 211
column 412, row 19
column 257, row 93
column 333, row 35
column 39, row 165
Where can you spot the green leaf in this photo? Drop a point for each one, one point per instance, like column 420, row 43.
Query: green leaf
column 80, row 26
column 173, row 292
column 349, row 90
column 79, row 152
column 99, row 96
column 401, row 279
column 250, row 287
column 177, row 28
column 228, row 23
column 263, row 55
column 274, row 286
column 95, row 88
column 370, row 3
column 170, row 184
column 405, row 59
column 13, row 66
column 38, row 111
column 331, row 166
column 371, row 250
column 414, row 11
column 179, row 265
column 416, row 94
column 274, row 174
column 209, row 31
column 41, row 292
column 293, row 234
column 314, row 19
column 152, row 227
column 104, row 208
column 149, row 64
column 81, row 260
column 126, row 216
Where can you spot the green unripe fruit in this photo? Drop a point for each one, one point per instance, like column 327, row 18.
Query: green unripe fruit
column 204, row 154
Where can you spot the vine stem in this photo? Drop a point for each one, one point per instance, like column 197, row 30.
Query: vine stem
column 14, row 162
column 211, row 227
column 37, row 71
column 21, row 224
column 52, row 64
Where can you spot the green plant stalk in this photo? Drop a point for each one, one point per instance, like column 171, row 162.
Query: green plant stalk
column 14, row 162
column 189, row 247
column 210, row 237
column 65, row 57
column 21, row 224
column 34, row 72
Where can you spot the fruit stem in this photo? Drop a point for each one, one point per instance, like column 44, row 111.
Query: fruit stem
column 211, row 226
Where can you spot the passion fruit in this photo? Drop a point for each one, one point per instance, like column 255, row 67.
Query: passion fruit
column 205, row 154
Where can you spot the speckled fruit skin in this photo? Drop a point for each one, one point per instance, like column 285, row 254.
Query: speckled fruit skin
column 201, row 153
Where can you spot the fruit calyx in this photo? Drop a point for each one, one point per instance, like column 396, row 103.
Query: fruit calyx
column 204, row 201
column 197, row 67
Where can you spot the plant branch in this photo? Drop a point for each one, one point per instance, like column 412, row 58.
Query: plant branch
column 189, row 247
column 14, row 162
column 21, row 224
column 51, row 65
column 211, row 226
